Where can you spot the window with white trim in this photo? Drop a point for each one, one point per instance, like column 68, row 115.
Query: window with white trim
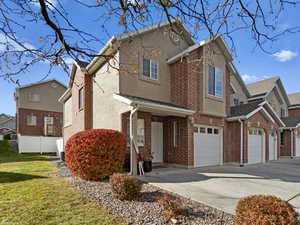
column 48, row 120
column 80, row 98
column 215, row 81
column 31, row 120
column 34, row 97
column 175, row 133
column 150, row 69
column 140, row 132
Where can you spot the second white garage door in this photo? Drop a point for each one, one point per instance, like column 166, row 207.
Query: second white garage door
column 298, row 146
column 208, row 146
column 255, row 146
column 272, row 146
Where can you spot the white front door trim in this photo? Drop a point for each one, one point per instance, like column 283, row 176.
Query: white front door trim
column 157, row 141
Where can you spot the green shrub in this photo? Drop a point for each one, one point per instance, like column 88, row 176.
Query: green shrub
column 172, row 207
column 125, row 186
column 95, row 154
column 265, row 210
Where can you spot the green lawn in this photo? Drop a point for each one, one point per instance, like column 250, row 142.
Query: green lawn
column 29, row 194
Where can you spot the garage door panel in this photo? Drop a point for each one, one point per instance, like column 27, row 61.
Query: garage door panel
column 255, row 147
column 207, row 148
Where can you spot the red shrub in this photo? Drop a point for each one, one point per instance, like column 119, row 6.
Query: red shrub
column 95, row 154
column 265, row 210
column 172, row 206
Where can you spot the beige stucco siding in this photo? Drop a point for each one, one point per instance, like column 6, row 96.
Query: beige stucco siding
column 276, row 103
column 213, row 56
column 68, row 114
column 239, row 93
column 154, row 45
column 107, row 110
column 48, row 97
column 76, row 115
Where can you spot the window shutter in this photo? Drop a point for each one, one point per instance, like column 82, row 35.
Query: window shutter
column 146, row 67
column 211, row 80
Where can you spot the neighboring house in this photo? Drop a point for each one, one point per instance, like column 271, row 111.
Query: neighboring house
column 39, row 115
column 183, row 102
column 7, row 121
column 286, row 106
column 291, row 133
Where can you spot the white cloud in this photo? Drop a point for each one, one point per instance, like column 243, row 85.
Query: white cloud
column 6, row 42
column 285, row 55
column 250, row 78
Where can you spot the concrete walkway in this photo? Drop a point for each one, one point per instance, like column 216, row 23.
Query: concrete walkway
column 222, row 187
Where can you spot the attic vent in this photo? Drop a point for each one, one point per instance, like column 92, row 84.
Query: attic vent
column 54, row 85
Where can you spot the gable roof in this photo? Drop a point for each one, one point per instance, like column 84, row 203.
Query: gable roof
column 112, row 44
column 291, row 121
column 261, row 89
column 175, row 22
column 294, row 98
column 263, row 86
column 245, row 111
column 39, row 83
column 219, row 40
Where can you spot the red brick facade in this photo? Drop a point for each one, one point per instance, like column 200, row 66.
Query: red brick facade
column 38, row 130
column 294, row 112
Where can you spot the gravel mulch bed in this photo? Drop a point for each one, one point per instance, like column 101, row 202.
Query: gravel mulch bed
column 145, row 210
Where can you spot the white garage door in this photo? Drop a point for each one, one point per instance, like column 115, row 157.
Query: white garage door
column 298, row 147
column 208, row 146
column 272, row 146
column 255, row 146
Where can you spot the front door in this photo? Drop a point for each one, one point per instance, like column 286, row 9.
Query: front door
column 157, row 141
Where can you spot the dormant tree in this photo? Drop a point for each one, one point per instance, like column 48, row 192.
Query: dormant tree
column 61, row 38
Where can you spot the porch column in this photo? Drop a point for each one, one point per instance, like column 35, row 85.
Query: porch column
column 133, row 143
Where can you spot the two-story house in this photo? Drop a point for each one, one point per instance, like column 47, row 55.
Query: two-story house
column 183, row 102
column 39, row 116
column 286, row 106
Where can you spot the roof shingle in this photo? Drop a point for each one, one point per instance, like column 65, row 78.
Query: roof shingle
column 263, row 86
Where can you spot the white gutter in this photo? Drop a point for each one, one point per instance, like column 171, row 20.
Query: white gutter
column 96, row 58
column 292, row 144
column 242, row 144
column 65, row 96
column 155, row 106
column 294, row 107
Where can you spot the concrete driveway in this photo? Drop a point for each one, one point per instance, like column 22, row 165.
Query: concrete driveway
column 223, row 186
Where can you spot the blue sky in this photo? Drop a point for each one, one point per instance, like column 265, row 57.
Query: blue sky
column 252, row 63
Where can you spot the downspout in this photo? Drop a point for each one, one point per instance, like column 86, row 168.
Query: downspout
column 242, row 144
column 292, row 144
column 132, row 144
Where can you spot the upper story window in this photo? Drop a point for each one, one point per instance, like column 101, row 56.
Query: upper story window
column 31, row 120
column 150, row 69
column 34, row 97
column 282, row 112
column 80, row 98
column 236, row 101
column 215, row 81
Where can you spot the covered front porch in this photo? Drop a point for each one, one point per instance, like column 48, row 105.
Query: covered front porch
column 157, row 130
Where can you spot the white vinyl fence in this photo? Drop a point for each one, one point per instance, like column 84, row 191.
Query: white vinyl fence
column 1, row 137
column 60, row 145
column 37, row 144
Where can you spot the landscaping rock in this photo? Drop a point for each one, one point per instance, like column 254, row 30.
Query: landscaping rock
column 145, row 210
